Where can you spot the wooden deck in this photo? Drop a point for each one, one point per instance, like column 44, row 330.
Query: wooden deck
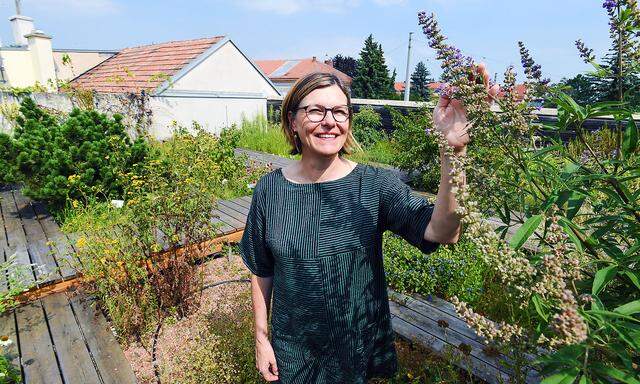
column 434, row 323
column 61, row 338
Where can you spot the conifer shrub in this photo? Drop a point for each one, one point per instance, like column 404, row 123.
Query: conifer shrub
column 83, row 154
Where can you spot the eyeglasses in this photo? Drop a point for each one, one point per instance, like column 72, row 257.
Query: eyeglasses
column 316, row 113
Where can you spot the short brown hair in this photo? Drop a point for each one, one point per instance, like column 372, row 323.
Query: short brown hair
column 299, row 91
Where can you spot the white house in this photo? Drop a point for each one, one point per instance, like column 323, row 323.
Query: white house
column 208, row 80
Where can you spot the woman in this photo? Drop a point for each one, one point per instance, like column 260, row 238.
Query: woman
column 313, row 240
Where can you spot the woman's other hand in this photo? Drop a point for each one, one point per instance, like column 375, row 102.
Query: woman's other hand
column 449, row 116
column 266, row 359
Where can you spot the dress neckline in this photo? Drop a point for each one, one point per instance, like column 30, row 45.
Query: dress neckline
column 328, row 182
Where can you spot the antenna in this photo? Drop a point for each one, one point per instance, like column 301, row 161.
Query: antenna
column 18, row 7
column 407, row 75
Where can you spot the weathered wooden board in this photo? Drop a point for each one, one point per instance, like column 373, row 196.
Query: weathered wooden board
column 108, row 356
column 76, row 363
column 37, row 354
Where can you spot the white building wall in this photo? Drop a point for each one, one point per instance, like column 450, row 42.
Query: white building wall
column 226, row 70
column 18, row 69
column 213, row 114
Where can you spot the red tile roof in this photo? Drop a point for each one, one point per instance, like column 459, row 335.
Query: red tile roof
column 292, row 70
column 144, row 67
column 399, row 86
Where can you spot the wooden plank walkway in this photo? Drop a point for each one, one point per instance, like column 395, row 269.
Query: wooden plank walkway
column 29, row 233
column 61, row 338
column 435, row 324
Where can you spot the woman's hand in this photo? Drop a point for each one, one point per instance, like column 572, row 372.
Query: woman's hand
column 449, row 116
column 266, row 359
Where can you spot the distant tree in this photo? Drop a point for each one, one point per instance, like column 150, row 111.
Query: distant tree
column 618, row 74
column 345, row 64
column 420, row 80
column 372, row 80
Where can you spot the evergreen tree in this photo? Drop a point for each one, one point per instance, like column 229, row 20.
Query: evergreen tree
column 345, row 64
column 581, row 88
column 420, row 80
column 372, row 80
column 619, row 75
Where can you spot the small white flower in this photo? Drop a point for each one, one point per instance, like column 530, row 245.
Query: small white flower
column 5, row 341
column 117, row 203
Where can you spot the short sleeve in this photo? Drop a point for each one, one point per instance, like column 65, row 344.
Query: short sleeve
column 404, row 213
column 253, row 246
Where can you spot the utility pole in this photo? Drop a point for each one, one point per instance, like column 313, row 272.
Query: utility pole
column 407, row 77
column 18, row 7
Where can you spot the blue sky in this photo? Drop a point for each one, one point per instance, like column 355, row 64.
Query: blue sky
column 269, row 29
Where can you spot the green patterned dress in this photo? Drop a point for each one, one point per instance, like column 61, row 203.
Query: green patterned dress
column 322, row 243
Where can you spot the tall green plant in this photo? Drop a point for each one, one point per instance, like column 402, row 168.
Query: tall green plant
column 367, row 127
column 579, row 295
column 141, row 258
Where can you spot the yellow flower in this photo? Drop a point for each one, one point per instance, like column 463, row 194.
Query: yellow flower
column 75, row 204
column 81, row 242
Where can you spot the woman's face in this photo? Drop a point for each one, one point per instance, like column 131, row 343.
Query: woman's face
column 326, row 137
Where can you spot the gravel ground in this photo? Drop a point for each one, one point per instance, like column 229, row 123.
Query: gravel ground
column 177, row 336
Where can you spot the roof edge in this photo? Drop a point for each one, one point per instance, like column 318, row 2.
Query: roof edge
column 202, row 57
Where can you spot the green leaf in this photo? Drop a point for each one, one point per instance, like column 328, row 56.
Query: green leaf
column 634, row 277
column 630, row 139
column 548, row 149
column 631, row 308
column 614, row 373
column 540, row 307
column 566, row 225
column 603, row 277
column 525, row 231
column 567, row 377
column 615, row 315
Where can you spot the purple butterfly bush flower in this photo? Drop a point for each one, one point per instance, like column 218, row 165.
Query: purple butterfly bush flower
column 531, row 69
column 610, row 6
column 585, row 53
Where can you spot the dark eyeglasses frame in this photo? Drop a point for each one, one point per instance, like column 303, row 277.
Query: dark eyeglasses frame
column 325, row 112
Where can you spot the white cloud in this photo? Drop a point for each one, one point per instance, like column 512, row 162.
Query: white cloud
column 288, row 7
column 78, row 6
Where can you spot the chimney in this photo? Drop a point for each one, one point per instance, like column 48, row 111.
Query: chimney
column 329, row 62
column 313, row 58
column 41, row 56
column 21, row 26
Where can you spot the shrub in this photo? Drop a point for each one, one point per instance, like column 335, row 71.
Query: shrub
column 366, row 127
column 579, row 295
column 141, row 259
column 453, row 270
column 416, row 154
column 83, row 155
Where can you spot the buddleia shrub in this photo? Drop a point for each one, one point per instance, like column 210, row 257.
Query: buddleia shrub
column 58, row 158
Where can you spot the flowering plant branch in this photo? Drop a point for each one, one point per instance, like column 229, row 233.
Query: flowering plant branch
column 577, row 295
